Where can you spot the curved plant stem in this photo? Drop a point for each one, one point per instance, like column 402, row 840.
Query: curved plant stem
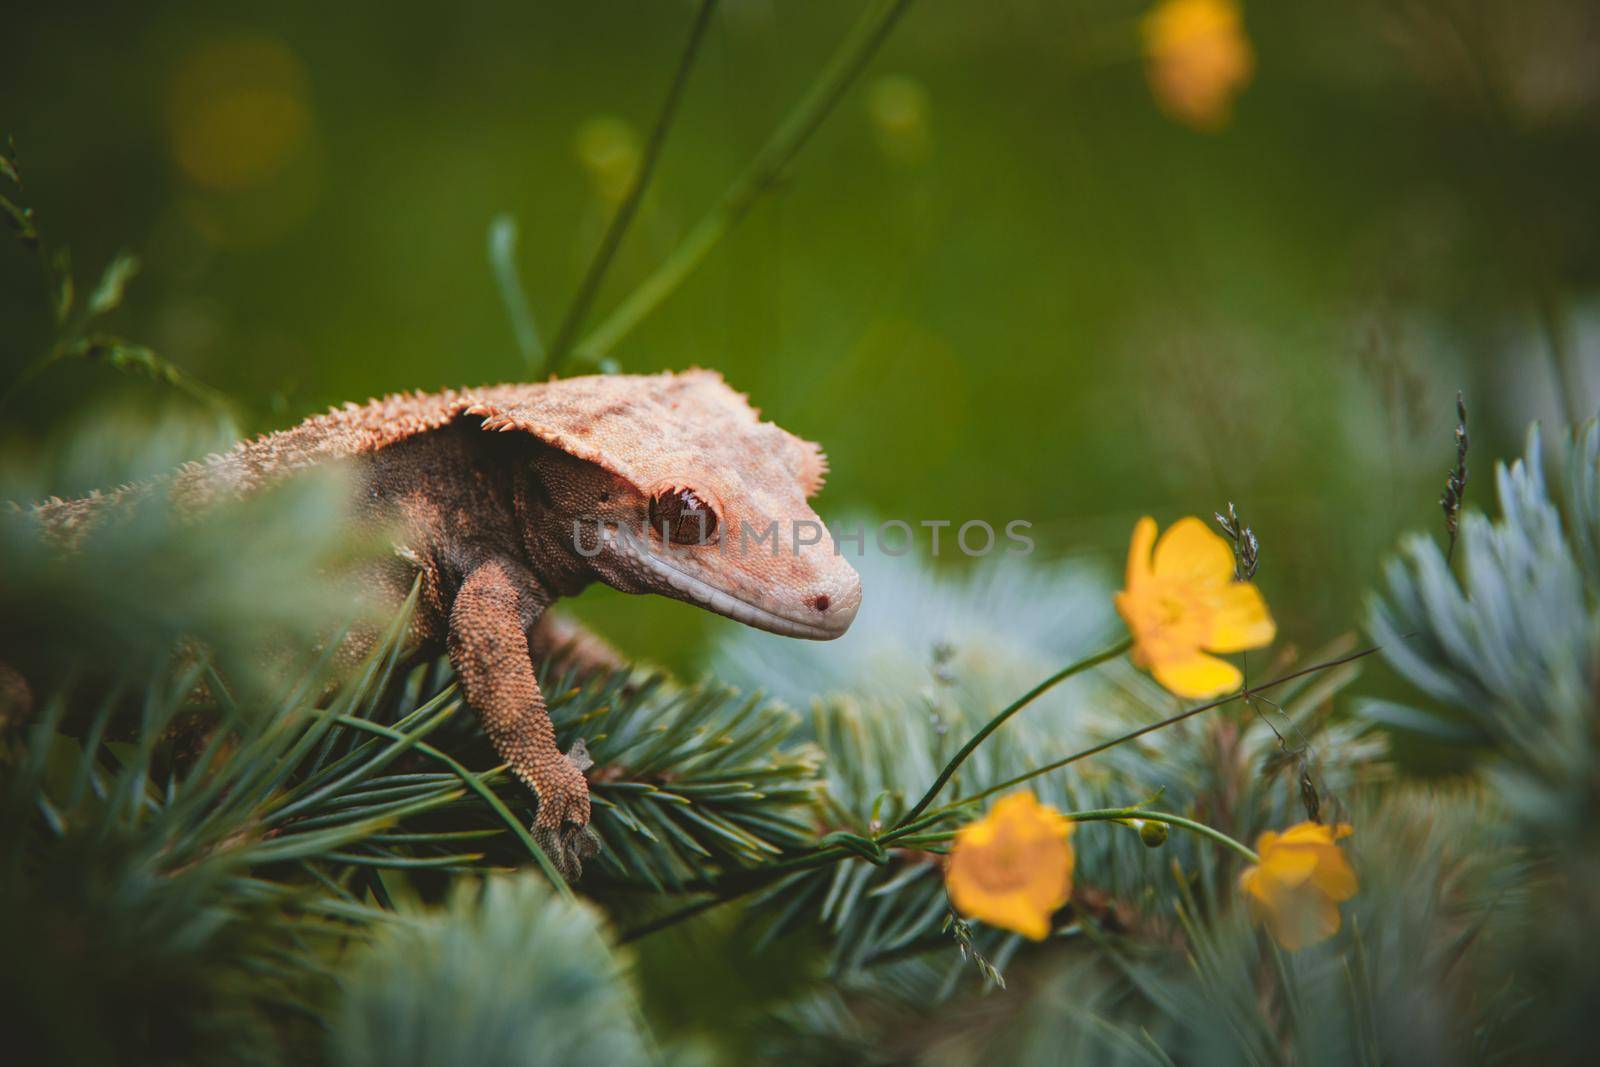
column 722, row 892
column 824, row 856
column 1132, row 735
column 673, row 918
column 1123, row 814
column 589, row 288
column 940, row 837
column 995, row 723
column 742, row 883
column 762, row 174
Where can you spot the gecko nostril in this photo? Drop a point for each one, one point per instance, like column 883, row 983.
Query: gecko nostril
column 821, row 602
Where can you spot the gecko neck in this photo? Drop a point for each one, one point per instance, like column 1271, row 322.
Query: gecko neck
column 548, row 543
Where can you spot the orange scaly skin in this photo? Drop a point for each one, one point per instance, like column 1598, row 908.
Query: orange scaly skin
column 487, row 485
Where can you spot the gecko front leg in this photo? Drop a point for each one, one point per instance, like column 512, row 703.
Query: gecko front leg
column 488, row 647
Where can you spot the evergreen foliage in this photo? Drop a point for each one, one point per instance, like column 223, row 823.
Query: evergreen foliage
column 505, row 973
column 220, row 844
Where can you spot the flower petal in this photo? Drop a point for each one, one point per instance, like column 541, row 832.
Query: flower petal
column 1240, row 619
column 1198, row 676
column 1301, row 919
column 1144, row 538
column 1334, row 875
column 1127, row 606
column 1288, row 866
column 1190, row 551
column 1307, row 833
column 1009, row 911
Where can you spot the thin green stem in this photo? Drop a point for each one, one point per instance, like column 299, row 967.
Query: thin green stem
column 735, row 885
column 1127, row 814
column 825, row 856
column 589, row 288
column 742, row 883
column 673, row 918
column 995, row 723
column 763, row 173
column 1011, row 783
column 1121, row 814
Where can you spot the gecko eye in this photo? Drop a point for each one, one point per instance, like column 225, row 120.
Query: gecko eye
column 680, row 516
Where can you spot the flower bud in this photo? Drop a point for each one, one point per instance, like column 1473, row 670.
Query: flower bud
column 1153, row 834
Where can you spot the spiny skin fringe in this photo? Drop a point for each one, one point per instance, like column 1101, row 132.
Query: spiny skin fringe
column 567, row 412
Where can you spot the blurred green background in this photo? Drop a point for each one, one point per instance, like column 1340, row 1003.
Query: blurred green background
column 1000, row 283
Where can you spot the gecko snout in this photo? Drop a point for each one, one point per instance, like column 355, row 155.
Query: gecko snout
column 834, row 607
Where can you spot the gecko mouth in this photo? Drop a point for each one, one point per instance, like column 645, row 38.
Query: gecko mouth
column 701, row 592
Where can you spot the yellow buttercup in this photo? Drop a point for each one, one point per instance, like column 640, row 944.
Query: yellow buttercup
column 1013, row 867
column 1182, row 602
column 1298, row 885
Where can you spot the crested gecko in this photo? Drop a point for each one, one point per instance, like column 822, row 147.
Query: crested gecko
column 511, row 496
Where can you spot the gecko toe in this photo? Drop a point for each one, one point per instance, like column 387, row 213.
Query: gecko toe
column 559, row 846
column 568, row 846
column 585, row 842
column 570, row 864
column 549, row 841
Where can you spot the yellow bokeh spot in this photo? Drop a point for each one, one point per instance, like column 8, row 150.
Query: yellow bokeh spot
column 898, row 108
column 237, row 112
column 1197, row 59
column 608, row 149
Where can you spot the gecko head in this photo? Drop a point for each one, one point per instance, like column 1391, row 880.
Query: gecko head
column 672, row 484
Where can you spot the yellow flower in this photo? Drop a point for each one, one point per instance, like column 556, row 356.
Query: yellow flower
column 1197, row 58
column 1013, row 867
column 1183, row 602
column 1297, row 887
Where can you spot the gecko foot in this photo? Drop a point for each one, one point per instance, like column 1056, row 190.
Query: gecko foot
column 562, row 828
